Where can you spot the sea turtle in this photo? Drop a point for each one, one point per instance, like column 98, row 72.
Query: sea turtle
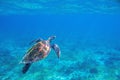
column 39, row 51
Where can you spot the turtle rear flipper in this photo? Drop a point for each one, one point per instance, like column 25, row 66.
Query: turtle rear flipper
column 26, row 67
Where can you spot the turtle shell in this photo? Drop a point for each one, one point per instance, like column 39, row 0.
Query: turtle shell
column 39, row 51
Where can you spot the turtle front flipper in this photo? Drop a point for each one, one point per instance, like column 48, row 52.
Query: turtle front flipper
column 26, row 67
column 35, row 41
column 56, row 49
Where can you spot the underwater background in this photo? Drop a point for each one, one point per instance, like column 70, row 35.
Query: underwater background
column 87, row 32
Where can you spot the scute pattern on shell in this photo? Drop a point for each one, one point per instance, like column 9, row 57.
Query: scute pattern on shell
column 37, row 52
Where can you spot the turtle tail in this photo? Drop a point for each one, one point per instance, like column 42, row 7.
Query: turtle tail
column 26, row 67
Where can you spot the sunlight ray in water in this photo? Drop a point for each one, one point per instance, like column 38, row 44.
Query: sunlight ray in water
column 59, row 7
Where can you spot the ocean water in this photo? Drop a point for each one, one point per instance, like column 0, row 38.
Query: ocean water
column 87, row 32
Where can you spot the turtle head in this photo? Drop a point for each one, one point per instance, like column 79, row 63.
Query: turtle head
column 51, row 38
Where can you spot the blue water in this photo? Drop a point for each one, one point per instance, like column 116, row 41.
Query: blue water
column 87, row 33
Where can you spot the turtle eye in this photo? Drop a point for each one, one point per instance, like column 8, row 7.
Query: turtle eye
column 52, row 37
